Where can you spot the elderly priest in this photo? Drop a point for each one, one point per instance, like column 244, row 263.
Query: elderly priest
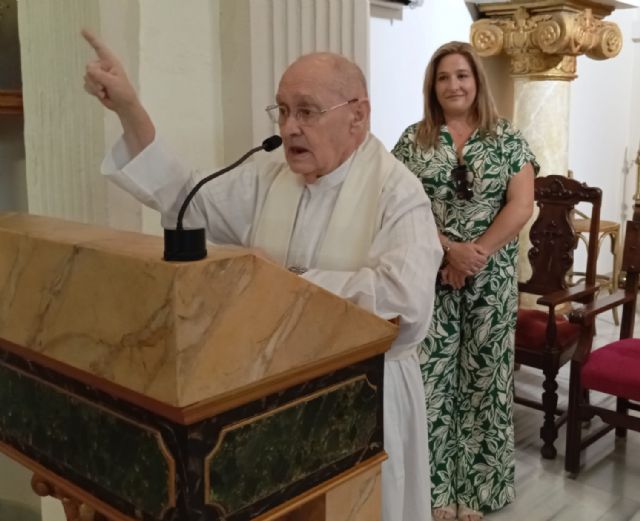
column 341, row 212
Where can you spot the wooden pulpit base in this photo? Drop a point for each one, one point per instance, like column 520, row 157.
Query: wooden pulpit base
column 74, row 509
column 351, row 496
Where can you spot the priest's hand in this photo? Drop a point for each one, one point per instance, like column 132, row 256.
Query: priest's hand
column 106, row 79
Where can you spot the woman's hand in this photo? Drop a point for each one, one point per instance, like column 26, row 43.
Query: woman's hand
column 467, row 258
column 452, row 277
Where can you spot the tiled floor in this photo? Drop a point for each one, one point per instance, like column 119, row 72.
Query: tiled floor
column 608, row 486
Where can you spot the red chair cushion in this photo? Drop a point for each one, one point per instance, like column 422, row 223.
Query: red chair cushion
column 614, row 369
column 531, row 330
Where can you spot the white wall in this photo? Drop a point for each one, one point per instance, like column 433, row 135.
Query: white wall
column 179, row 79
column 605, row 120
column 400, row 51
column 179, row 75
column 604, row 129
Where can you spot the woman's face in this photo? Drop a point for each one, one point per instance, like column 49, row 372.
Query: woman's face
column 455, row 86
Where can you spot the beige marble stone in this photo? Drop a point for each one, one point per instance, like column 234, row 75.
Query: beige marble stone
column 103, row 301
column 359, row 499
column 356, row 498
column 541, row 113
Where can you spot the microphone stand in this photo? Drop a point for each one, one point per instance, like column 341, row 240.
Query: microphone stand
column 188, row 245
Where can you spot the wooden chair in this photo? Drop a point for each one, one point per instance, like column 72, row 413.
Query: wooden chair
column 545, row 339
column 613, row 369
column 607, row 229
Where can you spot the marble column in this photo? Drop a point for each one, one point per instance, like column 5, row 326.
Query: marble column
column 542, row 39
column 541, row 112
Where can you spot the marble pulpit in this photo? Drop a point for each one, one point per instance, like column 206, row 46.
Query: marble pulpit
column 222, row 389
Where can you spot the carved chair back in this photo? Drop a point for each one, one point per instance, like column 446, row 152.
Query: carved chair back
column 553, row 239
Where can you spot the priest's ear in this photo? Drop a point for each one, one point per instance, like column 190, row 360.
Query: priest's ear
column 361, row 114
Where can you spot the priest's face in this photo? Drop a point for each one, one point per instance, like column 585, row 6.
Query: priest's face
column 318, row 125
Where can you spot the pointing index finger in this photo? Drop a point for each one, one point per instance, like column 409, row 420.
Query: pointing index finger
column 101, row 49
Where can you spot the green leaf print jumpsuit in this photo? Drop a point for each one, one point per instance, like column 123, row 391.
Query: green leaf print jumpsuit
column 467, row 357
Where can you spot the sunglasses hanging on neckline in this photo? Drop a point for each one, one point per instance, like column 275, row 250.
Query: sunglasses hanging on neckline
column 463, row 180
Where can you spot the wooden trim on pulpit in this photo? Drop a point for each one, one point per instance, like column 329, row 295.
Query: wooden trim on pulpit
column 112, row 514
column 221, row 403
column 277, row 513
column 10, row 102
column 74, row 491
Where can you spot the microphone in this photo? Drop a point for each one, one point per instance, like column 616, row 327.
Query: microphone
column 188, row 245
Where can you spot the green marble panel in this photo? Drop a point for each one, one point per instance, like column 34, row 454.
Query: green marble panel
column 51, row 425
column 262, row 456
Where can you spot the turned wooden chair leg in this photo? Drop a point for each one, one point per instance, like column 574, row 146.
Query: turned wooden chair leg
column 574, row 429
column 549, row 431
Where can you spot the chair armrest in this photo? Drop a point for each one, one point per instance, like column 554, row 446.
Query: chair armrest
column 575, row 293
column 587, row 313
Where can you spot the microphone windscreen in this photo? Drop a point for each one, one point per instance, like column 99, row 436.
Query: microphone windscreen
column 271, row 143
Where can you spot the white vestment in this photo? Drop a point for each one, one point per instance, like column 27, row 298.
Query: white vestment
column 397, row 278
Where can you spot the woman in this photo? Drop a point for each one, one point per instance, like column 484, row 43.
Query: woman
column 478, row 172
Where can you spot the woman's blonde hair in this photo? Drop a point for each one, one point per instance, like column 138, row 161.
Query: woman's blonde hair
column 484, row 108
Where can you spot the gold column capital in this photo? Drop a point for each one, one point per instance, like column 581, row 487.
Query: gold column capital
column 543, row 40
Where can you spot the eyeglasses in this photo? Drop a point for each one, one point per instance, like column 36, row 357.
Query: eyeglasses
column 463, row 179
column 305, row 116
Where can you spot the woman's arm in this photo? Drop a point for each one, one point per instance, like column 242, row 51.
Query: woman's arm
column 515, row 213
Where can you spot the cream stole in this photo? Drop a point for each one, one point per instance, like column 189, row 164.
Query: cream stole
column 353, row 222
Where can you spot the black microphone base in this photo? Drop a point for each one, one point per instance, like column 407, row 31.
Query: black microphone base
column 184, row 245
